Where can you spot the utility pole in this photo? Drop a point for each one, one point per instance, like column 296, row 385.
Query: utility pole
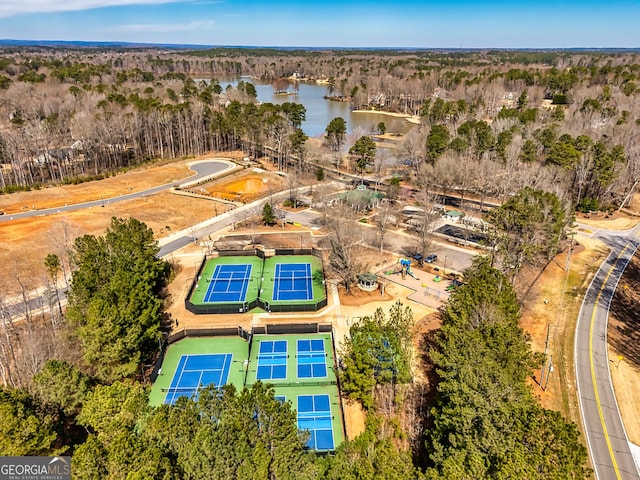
column 635, row 184
column 545, row 366
column 549, row 370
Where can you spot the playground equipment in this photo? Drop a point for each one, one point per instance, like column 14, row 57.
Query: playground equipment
column 406, row 268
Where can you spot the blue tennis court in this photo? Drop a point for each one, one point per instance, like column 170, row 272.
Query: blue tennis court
column 228, row 283
column 272, row 360
column 312, row 359
column 197, row 371
column 314, row 415
column 292, row 281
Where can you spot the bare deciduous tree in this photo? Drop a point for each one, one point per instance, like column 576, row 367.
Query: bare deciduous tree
column 345, row 249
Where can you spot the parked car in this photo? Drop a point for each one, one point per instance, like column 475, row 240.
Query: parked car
column 431, row 258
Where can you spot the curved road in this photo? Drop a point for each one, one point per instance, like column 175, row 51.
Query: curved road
column 203, row 169
column 609, row 448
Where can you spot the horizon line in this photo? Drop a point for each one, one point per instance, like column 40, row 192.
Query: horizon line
column 49, row 43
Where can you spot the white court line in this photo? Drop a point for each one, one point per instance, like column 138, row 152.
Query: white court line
column 308, row 282
column 212, row 284
column 186, row 357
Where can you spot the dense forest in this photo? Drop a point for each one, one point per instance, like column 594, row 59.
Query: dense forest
column 564, row 121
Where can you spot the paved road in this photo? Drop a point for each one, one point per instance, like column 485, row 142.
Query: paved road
column 202, row 169
column 456, row 258
column 606, row 437
column 450, row 256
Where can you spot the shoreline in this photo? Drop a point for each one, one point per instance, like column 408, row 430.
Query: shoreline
column 415, row 119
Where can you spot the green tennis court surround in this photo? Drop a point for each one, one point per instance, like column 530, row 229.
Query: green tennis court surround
column 286, row 361
column 232, row 350
column 226, row 285
column 239, row 283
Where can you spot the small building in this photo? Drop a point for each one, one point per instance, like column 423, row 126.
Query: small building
column 361, row 198
column 367, row 282
column 453, row 215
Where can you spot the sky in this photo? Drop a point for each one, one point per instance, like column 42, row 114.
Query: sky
column 330, row 23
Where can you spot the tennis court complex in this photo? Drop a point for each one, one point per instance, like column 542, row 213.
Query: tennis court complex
column 299, row 366
column 232, row 284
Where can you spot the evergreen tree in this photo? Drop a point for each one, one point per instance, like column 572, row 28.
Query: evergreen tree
column 364, row 151
column 528, row 227
column 115, row 449
column 371, row 455
column 486, row 423
column 267, row 214
column 26, row 428
column 114, row 302
column 335, row 134
column 62, row 384
column 377, row 352
column 245, row 435
column 437, row 141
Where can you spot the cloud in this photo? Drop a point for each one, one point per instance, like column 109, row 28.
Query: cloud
column 10, row 8
column 162, row 27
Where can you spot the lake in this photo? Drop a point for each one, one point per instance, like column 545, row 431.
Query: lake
column 321, row 111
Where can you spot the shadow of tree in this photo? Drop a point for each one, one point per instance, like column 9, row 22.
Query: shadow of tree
column 624, row 323
column 427, row 395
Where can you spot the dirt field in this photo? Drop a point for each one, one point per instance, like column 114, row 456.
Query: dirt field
column 25, row 243
column 245, row 186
